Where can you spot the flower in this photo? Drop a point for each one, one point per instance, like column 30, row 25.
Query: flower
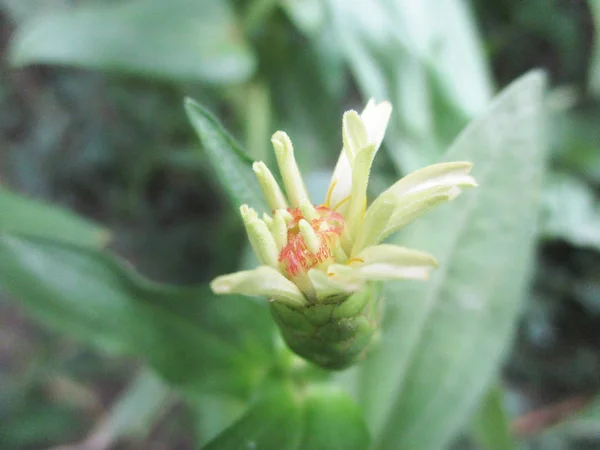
column 330, row 255
column 310, row 253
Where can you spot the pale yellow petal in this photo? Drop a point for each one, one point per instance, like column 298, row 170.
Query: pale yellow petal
column 358, row 196
column 292, row 179
column 354, row 134
column 412, row 196
column 375, row 222
column 263, row 281
column 374, row 119
column 340, row 186
column 376, row 116
column 443, row 174
column 391, row 262
column 260, row 237
column 269, row 186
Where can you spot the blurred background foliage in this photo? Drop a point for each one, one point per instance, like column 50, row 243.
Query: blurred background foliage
column 92, row 119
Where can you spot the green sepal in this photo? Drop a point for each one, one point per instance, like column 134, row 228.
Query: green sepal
column 319, row 315
column 333, row 336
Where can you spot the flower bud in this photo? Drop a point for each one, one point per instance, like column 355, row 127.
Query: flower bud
column 322, row 265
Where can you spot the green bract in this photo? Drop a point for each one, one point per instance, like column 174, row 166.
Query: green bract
column 321, row 265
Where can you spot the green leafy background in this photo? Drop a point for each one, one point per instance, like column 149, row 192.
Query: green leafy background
column 119, row 202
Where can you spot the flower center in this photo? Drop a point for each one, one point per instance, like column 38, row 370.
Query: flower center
column 302, row 252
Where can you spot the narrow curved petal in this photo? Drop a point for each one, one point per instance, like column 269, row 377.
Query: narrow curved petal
column 358, row 195
column 288, row 168
column 354, row 134
column 391, row 262
column 264, row 281
column 412, row 206
column 375, row 223
column 374, row 120
column 344, row 274
column 376, row 117
column 270, row 188
column 442, row 174
column 394, row 213
column 341, row 185
column 412, row 196
column 260, row 237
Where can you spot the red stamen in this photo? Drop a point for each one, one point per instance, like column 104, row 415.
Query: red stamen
column 296, row 256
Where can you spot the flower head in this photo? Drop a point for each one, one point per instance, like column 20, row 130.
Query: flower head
column 320, row 264
column 315, row 253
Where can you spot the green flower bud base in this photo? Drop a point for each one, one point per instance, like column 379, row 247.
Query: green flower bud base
column 333, row 334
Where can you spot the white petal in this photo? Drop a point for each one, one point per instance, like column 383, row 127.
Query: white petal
column 376, row 118
column 354, row 134
column 413, row 195
column 442, row 174
column 341, row 185
column 262, row 281
column 389, row 213
column 375, row 222
column 391, row 262
column 358, row 200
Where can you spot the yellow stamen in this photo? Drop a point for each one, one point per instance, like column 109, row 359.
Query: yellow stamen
column 341, row 203
column 353, row 260
column 330, row 193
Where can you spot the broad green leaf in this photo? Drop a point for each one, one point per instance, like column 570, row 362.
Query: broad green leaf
column 491, row 426
column 575, row 137
column 134, row 413
column 570, row 211
column 332, row 421
column 311, row 418
column 212, row 414
column 594, row 77
column 23, row 215
column 232, row 165
column 420, row 56
column 307, row 15
column 194, row 340
column 444, row 339
column 174, row 40
column 273, row 422
column 307, row 81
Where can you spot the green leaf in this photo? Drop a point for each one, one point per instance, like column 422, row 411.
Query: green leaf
column 419, row 57
column 319, row 418
column 273, row 422
column 22, row 215
column 594, row 77
column 491, row 426
column 575, row 137
column 194, row 340
column 307, row 81
column 174, row 40
column 135, row 412
column 232, row 165
column 333, row 421
column 444, row 339
column 571, row 211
